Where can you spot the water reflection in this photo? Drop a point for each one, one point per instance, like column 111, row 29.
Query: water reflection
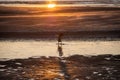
column 60, row 50
column 60, row 44
column 28, row 48
column 63, row 68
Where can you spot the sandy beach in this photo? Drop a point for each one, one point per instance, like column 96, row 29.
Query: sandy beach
column 76, row 67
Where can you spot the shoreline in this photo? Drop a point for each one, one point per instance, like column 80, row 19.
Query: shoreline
column 66, row 34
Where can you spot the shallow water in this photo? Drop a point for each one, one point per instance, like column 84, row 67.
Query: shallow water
column 31, row 48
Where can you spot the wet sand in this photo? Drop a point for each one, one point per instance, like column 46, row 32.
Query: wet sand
column 76, row 67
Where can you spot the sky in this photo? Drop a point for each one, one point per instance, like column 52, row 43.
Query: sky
column 39, row 0
column 50, row 0
column 58, row 0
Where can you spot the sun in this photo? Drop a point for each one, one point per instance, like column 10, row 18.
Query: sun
column 51, row 5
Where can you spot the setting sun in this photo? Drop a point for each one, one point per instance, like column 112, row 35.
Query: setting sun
column 51, row 5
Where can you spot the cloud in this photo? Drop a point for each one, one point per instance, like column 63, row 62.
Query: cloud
column 77, row 20
column 11, row 11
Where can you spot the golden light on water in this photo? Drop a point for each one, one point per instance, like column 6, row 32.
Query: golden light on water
column 51, row 5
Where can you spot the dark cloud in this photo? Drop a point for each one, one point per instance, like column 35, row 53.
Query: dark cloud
column 37, row 10
column 71, row 20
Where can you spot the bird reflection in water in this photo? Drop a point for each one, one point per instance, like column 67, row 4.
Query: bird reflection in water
column 60, row 50
column 63, row 66
column 60, row 44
